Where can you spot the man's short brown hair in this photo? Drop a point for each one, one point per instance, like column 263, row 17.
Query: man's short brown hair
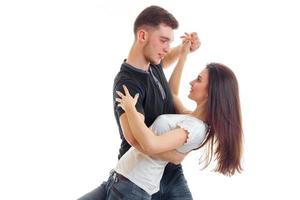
column 153, row 16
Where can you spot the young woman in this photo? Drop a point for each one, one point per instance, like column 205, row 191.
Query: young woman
column 215, row 123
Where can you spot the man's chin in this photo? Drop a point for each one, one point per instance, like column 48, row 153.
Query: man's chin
column 155, row 62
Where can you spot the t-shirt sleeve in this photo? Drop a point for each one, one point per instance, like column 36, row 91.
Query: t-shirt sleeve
column 133, row 89
column 196, row 134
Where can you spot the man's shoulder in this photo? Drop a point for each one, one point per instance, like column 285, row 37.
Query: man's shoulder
column 124, row 77
column 133, row 83
column 130, row 75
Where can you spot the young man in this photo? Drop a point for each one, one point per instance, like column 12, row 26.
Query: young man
column 142, row 73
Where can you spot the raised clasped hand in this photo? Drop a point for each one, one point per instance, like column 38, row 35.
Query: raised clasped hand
column 194, row 39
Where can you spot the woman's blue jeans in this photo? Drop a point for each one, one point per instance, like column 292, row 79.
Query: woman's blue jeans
column 118, row 187
column 173, row 186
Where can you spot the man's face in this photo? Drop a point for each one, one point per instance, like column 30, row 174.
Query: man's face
column 158, row 43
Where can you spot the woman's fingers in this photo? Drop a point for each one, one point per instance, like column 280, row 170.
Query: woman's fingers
column 136, row 97
column 118, row 100
column 126, row 90
column 120, row 105
column 120, row 94
column 126, row 100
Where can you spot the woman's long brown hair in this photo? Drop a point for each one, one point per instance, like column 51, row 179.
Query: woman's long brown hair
column 224, row 118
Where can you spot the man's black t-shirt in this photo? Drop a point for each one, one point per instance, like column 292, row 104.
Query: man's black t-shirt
column 155, row 97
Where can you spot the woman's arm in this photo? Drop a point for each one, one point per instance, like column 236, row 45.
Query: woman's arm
column 150, row 143
column 174, row 81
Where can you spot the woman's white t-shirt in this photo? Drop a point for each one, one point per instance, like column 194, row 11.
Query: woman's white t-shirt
column 145, row 171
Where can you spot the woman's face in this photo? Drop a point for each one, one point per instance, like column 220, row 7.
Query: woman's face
column 199, row 87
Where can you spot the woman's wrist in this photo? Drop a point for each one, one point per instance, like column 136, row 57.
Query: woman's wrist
column 131, row 108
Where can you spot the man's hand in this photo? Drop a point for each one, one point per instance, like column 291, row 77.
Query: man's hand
column 193, row 38
column 173, row 55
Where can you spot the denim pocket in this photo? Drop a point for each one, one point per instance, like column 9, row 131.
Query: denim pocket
column 116, row 194
column 121, row 189
column 139, row 193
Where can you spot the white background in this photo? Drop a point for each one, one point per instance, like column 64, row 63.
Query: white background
column 58, row 136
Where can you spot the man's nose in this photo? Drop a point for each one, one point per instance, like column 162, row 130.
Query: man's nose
column 167, row 48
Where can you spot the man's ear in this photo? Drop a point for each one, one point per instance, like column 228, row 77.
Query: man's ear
column 142, row 35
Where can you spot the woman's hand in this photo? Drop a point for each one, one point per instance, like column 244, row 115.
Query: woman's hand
column 186, row 44
column 126, row 101
column 195, row 42
column 193, row 39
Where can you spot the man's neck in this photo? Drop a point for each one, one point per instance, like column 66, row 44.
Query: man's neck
column 137, row 59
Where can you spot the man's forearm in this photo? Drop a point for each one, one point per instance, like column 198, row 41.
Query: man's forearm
column 172, row 156
column 171, row 57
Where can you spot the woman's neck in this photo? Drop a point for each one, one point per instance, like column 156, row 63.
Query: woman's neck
column 200, row 112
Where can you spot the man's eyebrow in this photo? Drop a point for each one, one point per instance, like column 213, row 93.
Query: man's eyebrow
column 165, row 38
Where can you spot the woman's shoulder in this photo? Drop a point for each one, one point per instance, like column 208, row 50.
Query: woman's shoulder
column 195, row 120
column 197, row 133
column 181, row 117
column 193, row 124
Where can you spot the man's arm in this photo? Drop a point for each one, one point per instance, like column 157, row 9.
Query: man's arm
column 149, row 141
column 170, row 156
column 173, row 55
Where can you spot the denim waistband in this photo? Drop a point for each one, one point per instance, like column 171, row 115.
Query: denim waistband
column 116, row 176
